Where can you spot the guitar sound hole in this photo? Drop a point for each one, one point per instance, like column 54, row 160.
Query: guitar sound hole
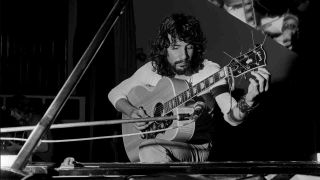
column 158, row 110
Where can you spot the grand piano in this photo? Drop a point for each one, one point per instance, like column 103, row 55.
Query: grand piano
column 194, row 171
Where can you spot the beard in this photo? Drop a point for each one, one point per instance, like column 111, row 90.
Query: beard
column 181, row 67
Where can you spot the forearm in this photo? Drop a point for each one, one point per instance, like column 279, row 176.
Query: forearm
column 238, row 113
column 235, row 112
column 124, row 106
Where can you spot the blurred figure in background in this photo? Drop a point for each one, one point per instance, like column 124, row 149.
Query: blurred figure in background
column 25, row 112
column 277, row 19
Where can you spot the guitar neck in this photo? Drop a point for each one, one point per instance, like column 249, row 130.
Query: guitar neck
column 194, row 90
column 240, row 65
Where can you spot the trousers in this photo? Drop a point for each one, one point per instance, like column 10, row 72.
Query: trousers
column 160, row 150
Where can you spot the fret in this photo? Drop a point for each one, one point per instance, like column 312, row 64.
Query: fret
column 190, row 93
column 202, row 86
column 180, row 97
column 184, row 96
column 175, row 101
column 221, row 74
column 194, row 90
column 165, row 105
column 170, row 105
column 211, row 80
column 216, row 78
column 198, row 88
column 207, row 83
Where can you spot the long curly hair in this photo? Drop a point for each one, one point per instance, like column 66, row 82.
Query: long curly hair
column 182, row 27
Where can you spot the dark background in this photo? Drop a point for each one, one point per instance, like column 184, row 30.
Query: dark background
column 42, row 41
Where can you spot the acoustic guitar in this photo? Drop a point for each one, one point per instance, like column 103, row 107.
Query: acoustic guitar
column 168, row 97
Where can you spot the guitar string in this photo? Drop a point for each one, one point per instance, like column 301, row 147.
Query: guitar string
column 160, row 109
column 98, row 137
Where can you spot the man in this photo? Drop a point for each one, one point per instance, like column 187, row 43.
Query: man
column 177, row 52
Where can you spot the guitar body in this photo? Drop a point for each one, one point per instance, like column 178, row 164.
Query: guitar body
column 149, row 99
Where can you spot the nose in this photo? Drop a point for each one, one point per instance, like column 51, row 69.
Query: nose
column 287, row 36
column 183, row 54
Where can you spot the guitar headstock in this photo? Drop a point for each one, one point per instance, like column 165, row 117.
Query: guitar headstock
column 249, row 61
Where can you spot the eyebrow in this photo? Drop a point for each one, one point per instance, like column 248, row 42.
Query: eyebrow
column 175, row 43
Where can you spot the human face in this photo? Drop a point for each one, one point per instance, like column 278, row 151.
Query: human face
column 179, row 55
column 16, row 114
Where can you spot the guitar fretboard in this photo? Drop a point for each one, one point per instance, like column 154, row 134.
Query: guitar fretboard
column 193, row 91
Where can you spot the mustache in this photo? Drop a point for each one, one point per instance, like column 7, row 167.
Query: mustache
column 182, row 61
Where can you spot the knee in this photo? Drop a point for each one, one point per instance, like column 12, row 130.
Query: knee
column 150, row 151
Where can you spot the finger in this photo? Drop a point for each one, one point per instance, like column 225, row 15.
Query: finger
column 138, row 113
column 142, row 113
column 194, row 117
column 254, row 84
column 198, row 106
column 141, row 126
column 287, row 44
column 264, row 70
column 141, row 123
column 260, row 79
column 266, row 75
column 137, row 127
column 135, row 114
